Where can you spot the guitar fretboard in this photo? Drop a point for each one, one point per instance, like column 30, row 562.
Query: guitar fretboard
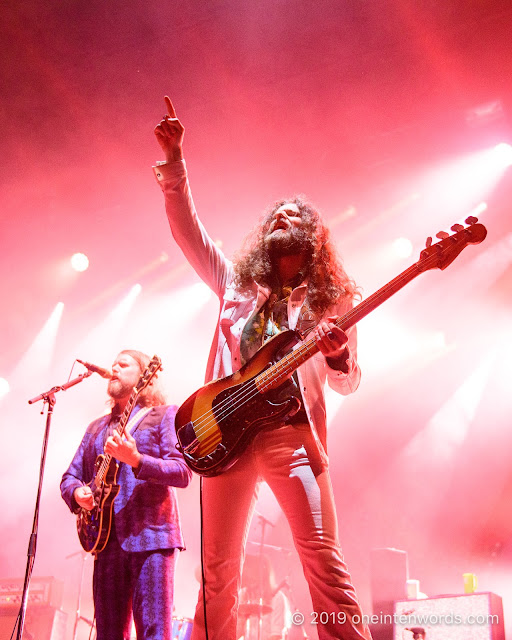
column 120, row 427
column 278, row 372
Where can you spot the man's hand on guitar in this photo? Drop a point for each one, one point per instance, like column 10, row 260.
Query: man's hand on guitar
column 84, row 497
column 331, row 340
column 123, row 450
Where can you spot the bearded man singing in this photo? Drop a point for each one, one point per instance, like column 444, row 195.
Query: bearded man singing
column 134, row 573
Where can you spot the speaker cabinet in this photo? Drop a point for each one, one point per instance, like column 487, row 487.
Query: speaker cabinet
column 381, row 631
column 389, row 574
column 41, row 623
column 475, row 616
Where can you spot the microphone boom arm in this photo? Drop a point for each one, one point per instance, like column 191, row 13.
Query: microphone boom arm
column 71, row 383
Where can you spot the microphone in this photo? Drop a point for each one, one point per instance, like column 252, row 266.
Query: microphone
column 104, row 373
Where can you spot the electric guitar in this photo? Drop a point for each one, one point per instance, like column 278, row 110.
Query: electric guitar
column 216, row 423
column 94, row 526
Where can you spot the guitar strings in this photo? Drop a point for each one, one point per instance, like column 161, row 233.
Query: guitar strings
column 248, row 390
column 104, row 464
column 225, row 409
column 267, row 377
column 204, row 422
column 150, row 371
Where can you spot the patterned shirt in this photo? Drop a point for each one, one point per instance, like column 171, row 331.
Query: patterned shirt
column 266, row 322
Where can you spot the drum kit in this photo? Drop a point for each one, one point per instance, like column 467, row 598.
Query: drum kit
column 256, row 579
column 256, row 594
column 181, row 628
column 259, row 591
column 250, row 615
column 251, row 612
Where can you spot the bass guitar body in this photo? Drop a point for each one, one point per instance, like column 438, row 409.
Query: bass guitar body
column 94, row 526
column 215, row 424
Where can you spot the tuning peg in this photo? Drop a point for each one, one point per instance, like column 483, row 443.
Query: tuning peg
column 428, row 243
column 457, row 227
column 471, row 220
column 442, row 235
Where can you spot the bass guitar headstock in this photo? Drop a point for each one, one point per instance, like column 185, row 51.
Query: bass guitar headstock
column 443, row 253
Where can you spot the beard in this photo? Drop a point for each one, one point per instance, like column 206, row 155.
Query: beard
column 293, row 241
column 117, row 389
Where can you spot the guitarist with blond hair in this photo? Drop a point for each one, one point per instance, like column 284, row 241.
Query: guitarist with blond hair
column 288, row 278
column 136, row 536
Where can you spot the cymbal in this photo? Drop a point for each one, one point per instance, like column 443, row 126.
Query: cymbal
column 253, row 609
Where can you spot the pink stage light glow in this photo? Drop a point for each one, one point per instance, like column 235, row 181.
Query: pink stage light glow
column 4, row 387
column 79, row 262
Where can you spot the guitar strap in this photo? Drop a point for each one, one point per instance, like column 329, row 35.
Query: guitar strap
column 136, row 419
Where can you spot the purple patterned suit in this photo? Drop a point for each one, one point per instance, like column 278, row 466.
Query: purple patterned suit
column 135, row 571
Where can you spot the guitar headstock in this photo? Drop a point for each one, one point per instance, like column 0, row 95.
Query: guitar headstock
column 443, row 253
column 148, row 374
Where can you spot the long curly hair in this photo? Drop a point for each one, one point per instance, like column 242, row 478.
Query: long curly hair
column 327, row 280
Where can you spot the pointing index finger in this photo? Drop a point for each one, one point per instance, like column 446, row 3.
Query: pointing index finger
column 170, row 108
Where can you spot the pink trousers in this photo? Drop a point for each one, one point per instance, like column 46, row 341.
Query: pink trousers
column 288, row 460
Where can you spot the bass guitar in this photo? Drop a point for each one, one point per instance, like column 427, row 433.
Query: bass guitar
column 94, row 526
column 216, row 423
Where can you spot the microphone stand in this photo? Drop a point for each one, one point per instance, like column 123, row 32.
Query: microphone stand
column 78, row 612
column 263, row 521
column 48, row 397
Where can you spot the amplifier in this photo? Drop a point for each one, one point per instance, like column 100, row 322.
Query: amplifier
column 41, row 623
column 389, row 574
column 44, row 591
column 475, row 616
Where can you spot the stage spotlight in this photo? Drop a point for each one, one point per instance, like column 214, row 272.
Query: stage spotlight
column 333, row 402
column 448, row 428
column 4, row 387
column 479, row 209
column 36, row 360
column 402, row 247
column 118, row 315
column 79, row 262
column 503, row 155
column 438, row 341
column 108, row 335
